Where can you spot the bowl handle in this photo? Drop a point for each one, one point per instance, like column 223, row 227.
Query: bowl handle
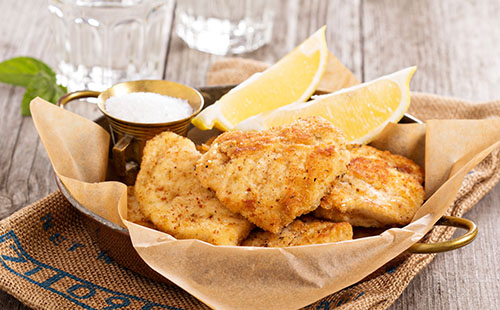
column 451, row 221
column 76, row 95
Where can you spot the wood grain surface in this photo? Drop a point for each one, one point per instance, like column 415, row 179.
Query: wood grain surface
column 454, row 43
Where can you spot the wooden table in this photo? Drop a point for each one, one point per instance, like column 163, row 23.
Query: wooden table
column 454, row 43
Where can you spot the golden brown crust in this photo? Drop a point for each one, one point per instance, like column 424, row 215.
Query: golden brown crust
column 302, row 231
column 173, row 199
column 379, row 189
column 273, row 176
column 204, row 147
column 134, row 212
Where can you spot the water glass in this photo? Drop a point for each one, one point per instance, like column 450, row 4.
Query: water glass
column 225, row 26
column 101, row 42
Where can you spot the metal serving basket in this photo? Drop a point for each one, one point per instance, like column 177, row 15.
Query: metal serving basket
column 115, row 240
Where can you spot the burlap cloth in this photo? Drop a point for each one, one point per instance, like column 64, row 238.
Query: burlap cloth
column 49, row 261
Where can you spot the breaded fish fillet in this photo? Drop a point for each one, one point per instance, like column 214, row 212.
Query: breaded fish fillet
column 174, row 200
column 273, row 176
column 379, row 189
column 302, row 231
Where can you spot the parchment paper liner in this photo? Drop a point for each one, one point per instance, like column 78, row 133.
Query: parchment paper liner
column 227, row 277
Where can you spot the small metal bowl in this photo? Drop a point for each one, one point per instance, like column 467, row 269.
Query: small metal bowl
column 129, row 138
column 115, row 240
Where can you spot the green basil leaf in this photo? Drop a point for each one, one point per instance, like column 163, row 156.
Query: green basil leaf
column 42, row 85
column 21, row 70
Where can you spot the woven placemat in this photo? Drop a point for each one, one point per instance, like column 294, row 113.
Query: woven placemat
column 49, row 261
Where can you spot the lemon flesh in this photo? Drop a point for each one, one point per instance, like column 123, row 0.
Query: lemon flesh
column 361, row 111
column 294, row 78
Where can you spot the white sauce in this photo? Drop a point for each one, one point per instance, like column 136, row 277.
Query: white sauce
column 142, row 107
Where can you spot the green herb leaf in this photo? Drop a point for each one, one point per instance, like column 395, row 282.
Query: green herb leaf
column 44, row 86
column 20, row 70
column 37, row 77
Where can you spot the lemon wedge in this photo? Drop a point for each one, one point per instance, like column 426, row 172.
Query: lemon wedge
column 361, row 111
column 293, row 78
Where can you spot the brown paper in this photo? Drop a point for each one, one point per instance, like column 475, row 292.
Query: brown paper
column 455, row 144
column 229, row 277
column 78, row 150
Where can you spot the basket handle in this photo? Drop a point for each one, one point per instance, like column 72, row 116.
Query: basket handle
column 76, row 95
column 451, row 221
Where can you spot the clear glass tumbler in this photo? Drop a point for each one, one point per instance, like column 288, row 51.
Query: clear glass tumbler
column 101, row 42
column 225, row 26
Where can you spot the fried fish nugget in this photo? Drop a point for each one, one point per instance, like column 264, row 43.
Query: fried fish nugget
column 174, row 200
column 380, row 189
column 273, row 176
column 302, row 231
column 134, row 212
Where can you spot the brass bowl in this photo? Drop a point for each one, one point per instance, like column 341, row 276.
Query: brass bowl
column 115, row 240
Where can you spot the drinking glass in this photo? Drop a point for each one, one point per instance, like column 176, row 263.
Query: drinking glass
column 225, row 26
column 99, row 43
